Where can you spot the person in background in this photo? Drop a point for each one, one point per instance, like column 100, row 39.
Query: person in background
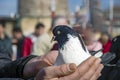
column 90, row 40
column 78, row 28
column 106, row 42
column 44, row 44
column 18, row 39
column 39, row 30
column 5, row 45
column 27, row 47
column 30, row 40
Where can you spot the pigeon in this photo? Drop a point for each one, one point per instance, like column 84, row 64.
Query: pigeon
column 72, row 48
column 70, row 45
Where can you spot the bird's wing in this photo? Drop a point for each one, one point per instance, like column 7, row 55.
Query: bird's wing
column 59, row 60
column 82, row 43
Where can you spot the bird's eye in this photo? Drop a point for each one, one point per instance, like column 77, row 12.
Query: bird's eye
column 58, row 32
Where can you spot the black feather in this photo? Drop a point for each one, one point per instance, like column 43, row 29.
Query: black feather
column 82, row 43
column 62, row 37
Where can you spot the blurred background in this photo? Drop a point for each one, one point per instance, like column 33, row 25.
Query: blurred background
column 103, row 14
column 26, row 20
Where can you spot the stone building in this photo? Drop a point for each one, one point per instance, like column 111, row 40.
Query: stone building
column 96, row 14
column 33, row 11
column 116, row 19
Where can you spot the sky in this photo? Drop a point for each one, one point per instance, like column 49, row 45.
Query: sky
column 105, row 4
column 8, row 7
column 73, row 3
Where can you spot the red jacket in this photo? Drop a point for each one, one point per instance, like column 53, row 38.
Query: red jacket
column 106, row 47
column 55, row 47
column 27, row 47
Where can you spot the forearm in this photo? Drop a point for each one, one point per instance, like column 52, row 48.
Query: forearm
column 38, row 63
column 28, row 67
column 34, row 66
column 14, row 69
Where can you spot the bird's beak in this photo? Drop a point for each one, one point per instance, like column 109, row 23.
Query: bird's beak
column 53, row 39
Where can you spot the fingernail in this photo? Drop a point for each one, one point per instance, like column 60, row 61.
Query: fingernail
column 72, row 67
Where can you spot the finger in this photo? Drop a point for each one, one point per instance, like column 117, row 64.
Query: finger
column 56, row 71
column 97, row 73
column 81, row 70
column 84, row 67
column 63, row 70
column 92, row 70
column 50, row 57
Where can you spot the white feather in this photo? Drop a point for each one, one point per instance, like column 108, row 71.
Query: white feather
column 72, row 52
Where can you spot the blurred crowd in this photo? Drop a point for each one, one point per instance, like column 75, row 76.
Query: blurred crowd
column 39, row 42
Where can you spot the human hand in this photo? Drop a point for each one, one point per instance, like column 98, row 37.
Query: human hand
column 88, row 70
column 37, row 63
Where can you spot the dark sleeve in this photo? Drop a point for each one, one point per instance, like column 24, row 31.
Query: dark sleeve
column 11, row 50
column 8, row 47
column 14, row 69
column 115, row 48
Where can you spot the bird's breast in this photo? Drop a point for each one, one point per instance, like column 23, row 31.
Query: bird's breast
column 72, row 51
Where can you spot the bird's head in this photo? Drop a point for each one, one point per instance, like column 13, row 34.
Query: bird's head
column 61, row 33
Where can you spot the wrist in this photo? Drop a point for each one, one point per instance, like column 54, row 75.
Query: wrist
column 21, row 65
column 33, row 66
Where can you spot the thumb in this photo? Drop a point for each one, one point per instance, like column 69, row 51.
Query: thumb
column 56, row 71
column 63, row 70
